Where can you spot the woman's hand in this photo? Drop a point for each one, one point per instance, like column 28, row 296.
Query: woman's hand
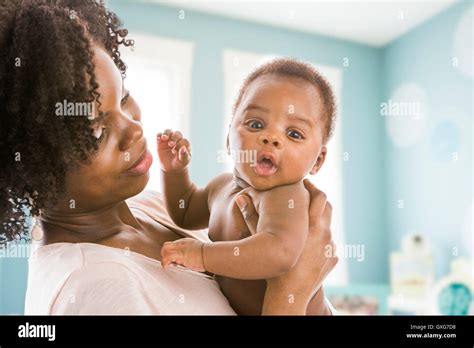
column 290, row 293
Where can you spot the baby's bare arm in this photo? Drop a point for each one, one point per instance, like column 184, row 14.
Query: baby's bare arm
column 187, row 204
column 275, row 248
column 182, row 198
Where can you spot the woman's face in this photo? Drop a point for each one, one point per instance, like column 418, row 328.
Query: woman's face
column 119, row 170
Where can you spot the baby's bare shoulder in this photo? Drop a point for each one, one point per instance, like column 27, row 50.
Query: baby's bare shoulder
column 217, row 184
column 295, row 193
column 296, row 190
column 220, row 181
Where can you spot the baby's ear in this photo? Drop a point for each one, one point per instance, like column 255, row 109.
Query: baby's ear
column 319, row 162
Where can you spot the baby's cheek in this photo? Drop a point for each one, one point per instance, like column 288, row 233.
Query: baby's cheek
column 237, row 137
column 246, row 139
column 296, row 168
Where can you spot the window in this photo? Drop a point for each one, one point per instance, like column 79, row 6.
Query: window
column 159, row 78
column 237, row 65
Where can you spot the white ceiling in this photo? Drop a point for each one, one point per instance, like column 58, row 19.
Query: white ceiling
column 372, row 22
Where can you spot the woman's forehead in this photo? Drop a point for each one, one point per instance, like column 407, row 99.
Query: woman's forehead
column 107, row 75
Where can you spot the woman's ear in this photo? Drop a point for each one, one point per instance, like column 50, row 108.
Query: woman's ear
column 319, row 161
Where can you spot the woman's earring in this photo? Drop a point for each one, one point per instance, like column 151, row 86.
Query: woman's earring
column 37, row 231
column 227, row 145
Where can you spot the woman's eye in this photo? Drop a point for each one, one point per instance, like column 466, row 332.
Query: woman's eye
column 254, row 124
column 100, row 132
column 124, row 99
column 294, row 134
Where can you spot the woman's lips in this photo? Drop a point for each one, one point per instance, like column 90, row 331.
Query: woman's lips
column 141, row 166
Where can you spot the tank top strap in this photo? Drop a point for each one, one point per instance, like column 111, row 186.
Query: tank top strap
column 152, row 204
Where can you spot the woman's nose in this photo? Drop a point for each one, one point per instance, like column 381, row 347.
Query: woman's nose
column 132, row 132
column 270, row 139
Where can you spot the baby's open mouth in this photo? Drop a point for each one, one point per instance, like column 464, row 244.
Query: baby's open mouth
column 265, row 165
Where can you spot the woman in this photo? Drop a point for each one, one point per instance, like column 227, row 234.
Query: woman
column 82, row 177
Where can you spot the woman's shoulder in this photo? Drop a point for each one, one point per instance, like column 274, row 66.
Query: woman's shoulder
column 151, row 203
column 44, row 281
column 148, row 199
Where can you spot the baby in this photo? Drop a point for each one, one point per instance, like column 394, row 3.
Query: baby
column 282, row 120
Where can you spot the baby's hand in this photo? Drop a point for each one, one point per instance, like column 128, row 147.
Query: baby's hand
column 174, row 151
column 186, row 252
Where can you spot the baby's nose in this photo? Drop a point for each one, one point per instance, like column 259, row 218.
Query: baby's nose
column 269, row 139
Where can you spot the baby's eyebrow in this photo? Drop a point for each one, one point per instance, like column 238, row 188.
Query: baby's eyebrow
column 255, row 107
column 301, row 119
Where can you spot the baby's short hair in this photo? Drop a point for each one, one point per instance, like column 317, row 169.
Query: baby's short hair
column 293, row 68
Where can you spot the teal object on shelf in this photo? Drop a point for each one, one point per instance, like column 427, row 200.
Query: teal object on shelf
column 454, row 299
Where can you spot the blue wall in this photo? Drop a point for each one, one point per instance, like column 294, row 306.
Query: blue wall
column 13, row 280
column 2, row 289
column 437, row 191
column 13, row 276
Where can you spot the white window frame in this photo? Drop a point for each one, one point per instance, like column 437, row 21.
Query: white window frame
column 164, row 56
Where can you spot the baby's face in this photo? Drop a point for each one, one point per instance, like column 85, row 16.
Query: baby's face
column 276, row 134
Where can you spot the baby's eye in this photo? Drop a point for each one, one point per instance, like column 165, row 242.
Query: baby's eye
column 254, row 124
column 294, row 134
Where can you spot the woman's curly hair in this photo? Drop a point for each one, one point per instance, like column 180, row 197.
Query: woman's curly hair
column 46, row 51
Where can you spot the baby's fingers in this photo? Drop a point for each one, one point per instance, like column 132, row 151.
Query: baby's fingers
column 170, row 259
column 167, row 254
column 159, row 139
column 165, row 136
column 165, row 262
column 174, row 138
column 183, row 148
column 183, row 142
column 162, row 139
column 184, row 155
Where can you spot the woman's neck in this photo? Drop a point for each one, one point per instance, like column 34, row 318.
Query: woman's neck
column 93, row 226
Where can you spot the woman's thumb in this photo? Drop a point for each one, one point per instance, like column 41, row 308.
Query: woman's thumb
column 248, row 212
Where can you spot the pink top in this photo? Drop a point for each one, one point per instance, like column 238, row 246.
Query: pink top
column 88, row 278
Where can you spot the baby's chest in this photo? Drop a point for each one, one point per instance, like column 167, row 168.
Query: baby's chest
column 226, row 222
